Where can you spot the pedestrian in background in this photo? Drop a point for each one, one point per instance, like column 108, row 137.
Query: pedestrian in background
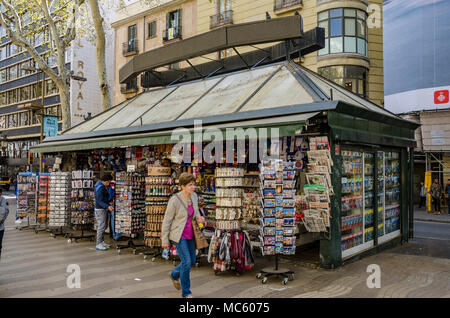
column 4, row 211
column 102, row 206
column 436, row 192
column 423, row 195
column 447, row 193
column 177, row 227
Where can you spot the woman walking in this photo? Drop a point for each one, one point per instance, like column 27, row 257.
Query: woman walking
column 177, row 227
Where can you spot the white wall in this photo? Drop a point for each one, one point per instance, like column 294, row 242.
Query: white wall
column 85, row 96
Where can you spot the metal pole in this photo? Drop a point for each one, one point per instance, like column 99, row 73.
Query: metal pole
column 411, row 192
column 42, row 123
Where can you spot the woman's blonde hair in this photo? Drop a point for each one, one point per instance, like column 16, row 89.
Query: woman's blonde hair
column 186, row 178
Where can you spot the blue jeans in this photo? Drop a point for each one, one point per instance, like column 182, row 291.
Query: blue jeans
column 186, row 251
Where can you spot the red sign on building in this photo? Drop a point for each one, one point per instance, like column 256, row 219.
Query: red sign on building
column 441, row 97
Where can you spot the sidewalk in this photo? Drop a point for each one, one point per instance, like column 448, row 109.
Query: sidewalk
column 422, row 215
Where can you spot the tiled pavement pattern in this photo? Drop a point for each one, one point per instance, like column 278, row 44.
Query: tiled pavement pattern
column 34, row 265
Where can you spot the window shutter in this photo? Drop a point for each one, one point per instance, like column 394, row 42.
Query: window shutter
column 179, row 23
column 167, row 21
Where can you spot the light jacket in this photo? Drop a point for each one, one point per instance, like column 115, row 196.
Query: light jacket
column 4, row 211
column 101, row 196
column 176, row 217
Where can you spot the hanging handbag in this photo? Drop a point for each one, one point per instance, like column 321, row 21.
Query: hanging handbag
column 200, row 239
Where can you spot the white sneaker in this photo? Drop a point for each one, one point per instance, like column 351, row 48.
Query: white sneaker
column 18, row 221
column 101, row 247
column 106, row 245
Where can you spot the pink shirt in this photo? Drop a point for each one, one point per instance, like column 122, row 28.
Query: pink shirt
column 188, row 232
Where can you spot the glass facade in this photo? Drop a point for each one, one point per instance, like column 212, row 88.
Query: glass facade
column 345, row 31
column 353, row 78
column 358, row 198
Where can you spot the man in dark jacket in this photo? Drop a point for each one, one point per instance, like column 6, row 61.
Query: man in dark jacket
column 102, row 206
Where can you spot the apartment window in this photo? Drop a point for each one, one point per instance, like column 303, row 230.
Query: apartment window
column 3, row 99
column 12, row 73
column 132, row 34
column 345, row 31
column 353, row 78
column 2, row 122
column 152, row 29
column 50, row 88
column 173, row 25
column 225, row 53
column 24, row 119
column 3, row 52
column 36, row 90
column 24, row 93
column 12, row 96
column 224, row 14
column 12, row 121
column 3, row 75
column 15, row 49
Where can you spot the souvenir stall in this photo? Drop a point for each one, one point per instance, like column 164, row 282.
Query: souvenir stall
column 344, row 182
column 59, row 200
column 27, row 186
column 82, row 205
column 43, row 203
column 129, row 211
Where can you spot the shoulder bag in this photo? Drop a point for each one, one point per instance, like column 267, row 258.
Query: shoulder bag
column 200, row 240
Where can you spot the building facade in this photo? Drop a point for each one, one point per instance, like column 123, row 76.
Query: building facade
column 353, row 56
column 18, row 86
column 140, row 27
column 417, row 81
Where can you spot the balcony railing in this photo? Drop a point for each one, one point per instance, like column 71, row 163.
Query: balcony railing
column 130, row 47
column 222, row 18
column 172, row 34
column 282, row 4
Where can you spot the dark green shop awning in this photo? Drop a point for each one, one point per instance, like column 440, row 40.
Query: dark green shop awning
column 282, row 95
column 284, row 125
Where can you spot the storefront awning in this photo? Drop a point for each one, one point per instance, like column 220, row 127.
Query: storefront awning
column 283, row 95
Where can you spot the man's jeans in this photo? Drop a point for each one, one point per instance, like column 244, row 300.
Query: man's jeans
column 186, row 252
column 101, row 217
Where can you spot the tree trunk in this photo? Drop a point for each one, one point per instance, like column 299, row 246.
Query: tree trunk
column 64, row 93
column 100, row 54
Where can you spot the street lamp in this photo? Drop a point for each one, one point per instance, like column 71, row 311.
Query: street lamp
column 35, row 106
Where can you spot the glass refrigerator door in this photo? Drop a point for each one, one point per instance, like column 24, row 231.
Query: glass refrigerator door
column 369, row 203
column 352, row 199
column 392, row 192
column 380, row 196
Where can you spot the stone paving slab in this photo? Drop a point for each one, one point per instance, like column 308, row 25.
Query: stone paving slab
column 34, row 265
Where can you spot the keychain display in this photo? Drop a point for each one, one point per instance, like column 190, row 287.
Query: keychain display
column 129, row 218
column 158, row 189
column 83, row 198
column 230, row 247
column 60, row 199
